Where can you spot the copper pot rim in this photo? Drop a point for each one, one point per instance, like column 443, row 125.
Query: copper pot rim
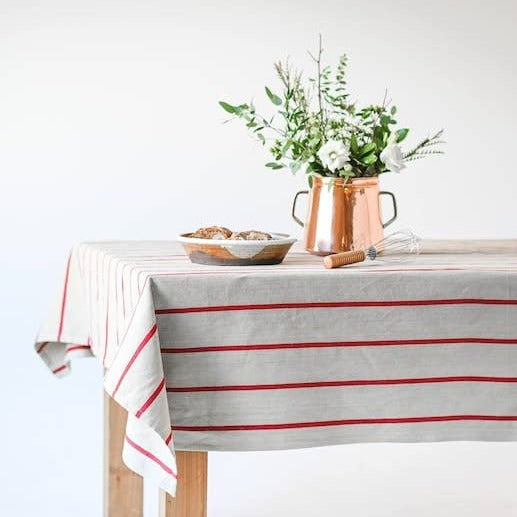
column 360, row 181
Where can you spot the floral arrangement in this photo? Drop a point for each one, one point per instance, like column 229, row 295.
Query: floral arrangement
column 318, row 130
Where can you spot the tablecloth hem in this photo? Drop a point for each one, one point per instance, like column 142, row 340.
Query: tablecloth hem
column 148, row 454
column 58, row 355
column 144, row 460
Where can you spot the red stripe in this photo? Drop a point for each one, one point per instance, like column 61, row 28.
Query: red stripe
column 63, row 301
column 417, row 269
column 151, row 399
column 351, row 421
column 59, row 368
column 331, row 305
column 106, row 324
column 41, row 347
column 151, row 457
column 339, row 344
column 336, row 384
column 77, row 347
column 141, row 346
column 169, row 438
column 290, row 269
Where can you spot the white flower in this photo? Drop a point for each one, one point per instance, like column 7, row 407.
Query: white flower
column 334, row 155
column 392, row 157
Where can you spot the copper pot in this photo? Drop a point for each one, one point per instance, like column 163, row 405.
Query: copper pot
column 342, row 215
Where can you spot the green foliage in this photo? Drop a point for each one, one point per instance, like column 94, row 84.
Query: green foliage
column 275, row 99
column 401, row 134
column 227, row 107
column 310, row 113
column 426, row 147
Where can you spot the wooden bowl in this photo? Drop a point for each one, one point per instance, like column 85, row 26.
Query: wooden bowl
column 228, row 252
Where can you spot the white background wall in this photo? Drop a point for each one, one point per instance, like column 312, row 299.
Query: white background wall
column 110, row 129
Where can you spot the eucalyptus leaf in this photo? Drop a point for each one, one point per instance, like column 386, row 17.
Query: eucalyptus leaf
column 346, row 174
column 295, row 166
column 274, row 165
column 286, row 147
column 228, row 107
column 275, row 99
column 401, row 134
column 386, row 120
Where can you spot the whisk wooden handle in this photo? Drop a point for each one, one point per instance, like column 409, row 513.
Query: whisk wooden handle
column 343, row 259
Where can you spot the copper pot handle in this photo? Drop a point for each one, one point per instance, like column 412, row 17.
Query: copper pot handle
column 293, row 211
column 394, row 201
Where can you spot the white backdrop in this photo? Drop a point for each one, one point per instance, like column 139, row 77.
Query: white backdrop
column 110, row 129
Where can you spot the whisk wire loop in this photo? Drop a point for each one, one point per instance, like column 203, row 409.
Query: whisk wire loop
column 398, row 246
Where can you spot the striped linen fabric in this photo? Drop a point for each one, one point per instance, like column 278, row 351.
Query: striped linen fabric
column 290, row 356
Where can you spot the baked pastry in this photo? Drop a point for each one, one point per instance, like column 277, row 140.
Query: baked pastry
column 222, row 233
column 251, row 235
column 212, row 232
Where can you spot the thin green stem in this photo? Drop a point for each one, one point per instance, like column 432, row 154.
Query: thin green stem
column 320, row 100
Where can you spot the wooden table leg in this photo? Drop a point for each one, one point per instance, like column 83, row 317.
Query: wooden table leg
column 123, row 489
column 190, row 500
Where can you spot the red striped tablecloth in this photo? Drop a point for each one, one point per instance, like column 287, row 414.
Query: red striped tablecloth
column 287, row 356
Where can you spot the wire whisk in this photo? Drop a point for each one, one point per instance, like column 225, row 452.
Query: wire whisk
column 400, row 246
